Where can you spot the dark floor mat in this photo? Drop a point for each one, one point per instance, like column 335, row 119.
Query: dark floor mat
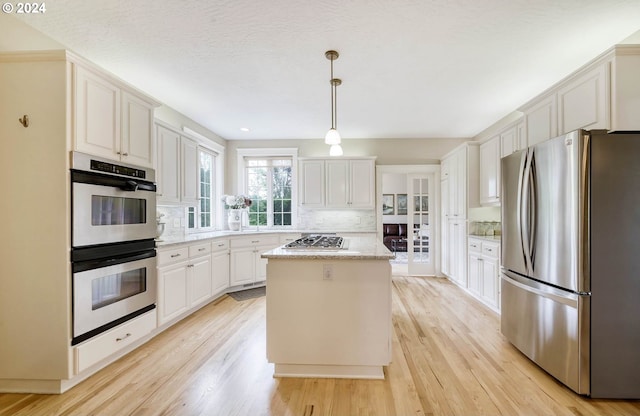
column 249, row 293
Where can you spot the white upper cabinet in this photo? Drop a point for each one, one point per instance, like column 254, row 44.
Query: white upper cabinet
column 462, row 180
column 490, row 171
column 512, row 139
column 111, row 120
column 137, row 130
column 337, row 183
column 604, row 94
column 541, row 120
column 312, row 183
column 168, row 165
column 189, row 163
column 362, row 183
column 581, row 103
column 97, row 111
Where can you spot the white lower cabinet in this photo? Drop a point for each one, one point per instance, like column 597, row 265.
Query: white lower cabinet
column 484, row 267
column 246, row 265
column 219, row 266
column 184, row 279
column 456, row 251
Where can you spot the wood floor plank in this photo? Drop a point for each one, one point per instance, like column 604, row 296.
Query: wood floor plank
column 448, row 358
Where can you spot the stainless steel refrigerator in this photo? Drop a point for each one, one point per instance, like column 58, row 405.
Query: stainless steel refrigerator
column 570, row 281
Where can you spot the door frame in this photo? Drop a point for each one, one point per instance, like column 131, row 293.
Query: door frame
column 430, row 168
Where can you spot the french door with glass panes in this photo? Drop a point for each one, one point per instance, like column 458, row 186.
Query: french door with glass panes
column 420, row 186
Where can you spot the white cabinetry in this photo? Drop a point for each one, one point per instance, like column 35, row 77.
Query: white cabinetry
column 581, row 102
column 112, row 121
column 490, row 172
column 168, row 165
column 338, row 183
column 484, row 266
column 541, row 121
column 246, row 265
column 220, row 265
column 459, row 188
column 184, row 279
column 512, row 139
column 109, row 343
column 312, row 183
column 601, row 95
column 189, row 170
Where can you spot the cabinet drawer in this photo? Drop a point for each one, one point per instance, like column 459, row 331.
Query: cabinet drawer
column 172, row 255
column 219, row 245
column 110, row 342
column 196, row 250
column 258, row 240
column 475, row 246
column 491, row 249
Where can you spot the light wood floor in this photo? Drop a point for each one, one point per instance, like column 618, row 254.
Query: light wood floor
column 449, row 358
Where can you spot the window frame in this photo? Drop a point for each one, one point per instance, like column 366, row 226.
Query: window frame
column 271, row 153
column 218, row 153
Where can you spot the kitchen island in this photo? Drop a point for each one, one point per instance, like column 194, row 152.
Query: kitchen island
column 329, row 311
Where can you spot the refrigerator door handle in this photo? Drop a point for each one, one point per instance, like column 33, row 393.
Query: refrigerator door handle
column 524, row 208
column 568, row 299
column 533, row 202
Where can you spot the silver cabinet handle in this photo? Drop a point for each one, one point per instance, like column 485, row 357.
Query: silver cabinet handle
column 123, row 338
column 201, row 249
column 221, row 245
column 175, row 255
column 255, row 241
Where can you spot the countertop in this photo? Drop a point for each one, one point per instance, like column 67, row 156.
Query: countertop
column 492, row 238
column 359, row 248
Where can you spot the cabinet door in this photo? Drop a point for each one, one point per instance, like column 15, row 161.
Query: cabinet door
column 312, row 183
column 490, row 172
column 459, row 185
column 361, row 186
column 137, row 131
column 97, row 115
column 261, row 264
column 172, row 291
column 199, row 283
column 458, row 252
column 220, row 271
column 582, row 104
column 189, row 159
column 490, row 281
column 242, row 266
column 337, row 182
column 167, row 166
column 508, row 143
column 541, row 121
column 475, row 274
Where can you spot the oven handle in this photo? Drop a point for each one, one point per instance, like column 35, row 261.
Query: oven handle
column 91, row 178
column 83, row 266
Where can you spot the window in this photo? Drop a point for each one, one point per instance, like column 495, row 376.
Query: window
column 202, row 216
column 268, row 183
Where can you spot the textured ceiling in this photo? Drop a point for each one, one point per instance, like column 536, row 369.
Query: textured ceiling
column 410, row 68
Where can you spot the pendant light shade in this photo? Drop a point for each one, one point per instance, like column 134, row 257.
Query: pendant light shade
column 335, row 150
column 333, row 137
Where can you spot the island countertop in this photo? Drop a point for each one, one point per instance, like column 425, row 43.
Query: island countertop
column 359, row 248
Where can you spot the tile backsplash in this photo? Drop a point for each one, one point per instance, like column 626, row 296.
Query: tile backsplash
column 174, row 218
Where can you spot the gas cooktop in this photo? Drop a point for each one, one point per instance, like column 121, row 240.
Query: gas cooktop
column 317, row 242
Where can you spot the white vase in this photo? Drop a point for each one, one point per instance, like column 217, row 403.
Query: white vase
column 235, row 219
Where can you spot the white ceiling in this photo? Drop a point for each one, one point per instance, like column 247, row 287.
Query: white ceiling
column 410, row 68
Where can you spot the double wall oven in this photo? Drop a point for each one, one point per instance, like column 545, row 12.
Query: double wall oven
column 113, row 252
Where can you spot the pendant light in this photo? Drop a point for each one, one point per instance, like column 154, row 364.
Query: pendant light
column 333, row 137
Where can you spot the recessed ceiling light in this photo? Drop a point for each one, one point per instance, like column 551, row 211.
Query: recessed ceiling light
column 245, row 129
